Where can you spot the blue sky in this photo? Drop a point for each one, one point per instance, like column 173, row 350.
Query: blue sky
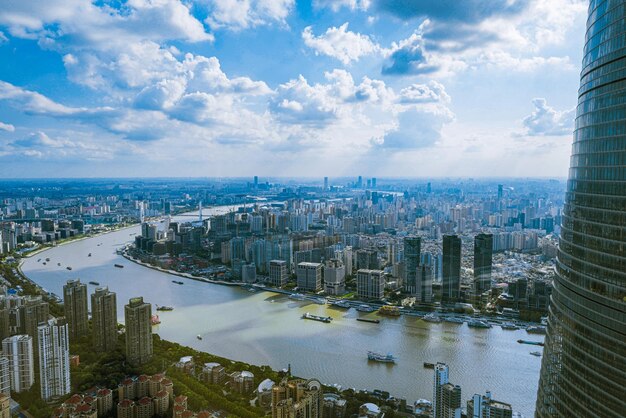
column 398, row 88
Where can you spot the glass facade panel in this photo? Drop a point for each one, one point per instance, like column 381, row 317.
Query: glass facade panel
column 583, row 372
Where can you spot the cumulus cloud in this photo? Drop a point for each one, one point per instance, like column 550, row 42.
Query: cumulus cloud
column 432, row 92
column 417, row 128
column 242, row 14
column 546, row 121
column 409, row 58
column 335, row 5
column 7, row 127
column 39, row 145
column 340, row 43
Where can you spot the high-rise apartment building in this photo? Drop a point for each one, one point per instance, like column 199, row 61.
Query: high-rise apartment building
column 137, row 316
column 334, row 277
column 412, row 249
column 583, row 370
column 75, row 306
column 18, row 349
column 297, row 398
column 31, row 313
column 5, row 376
column 451, row 266
column 440, row 379
column 104, row 319
column 370, row 284
column 309, row 277
column 483, row 259
column 483, row 406
column 450, row 401
column 54, row 359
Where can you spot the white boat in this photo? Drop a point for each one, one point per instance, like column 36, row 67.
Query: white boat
column 320, row 301
column 296, row 296
column 364, row 308
column 533, row 329
column 199, row 336
column 477, row 323
column 453, row 320
column 389, row 358
column 536, row 353
column 341, row 304
column 509, row 326
column 431, row 318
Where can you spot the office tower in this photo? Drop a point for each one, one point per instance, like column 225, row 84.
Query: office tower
column 359, row 183
column 424, row 284
column 373, row 182
column 500, row 191
column 334, row 277
column 451, row 263
column 18, row 349
column 440, row 379
column 485, row 407
column 412, row 248
column 325, row 183
column 370, row 284
column 137, row 315
column 309, row 277
column 75, row 306
column 278, row 272
column 33, row 312
column 5, row 376
column 104, row 319
column 583, row 369
column 483, row 255
column 54, row 359
column 256, row 182
column 450, row 401
column 429, row 188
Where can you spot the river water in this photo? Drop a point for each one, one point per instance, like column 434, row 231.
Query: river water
column 265, row 328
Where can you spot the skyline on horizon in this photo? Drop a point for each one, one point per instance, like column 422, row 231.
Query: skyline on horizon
column 281, row 89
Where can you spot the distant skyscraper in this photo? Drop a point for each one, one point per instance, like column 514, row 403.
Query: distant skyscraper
column 500, row 187
column 412, row 249
column 137, row 316
column 483, row 257
column 424, row 284
column 325, row 183
column 256, row 182
column 54, row 359
column 75, row 306
column 104, row 319
column 359, row 182
column 583, row 371
column 451, row 275
column 18, row 349
column 373, row 182
column 429, row 188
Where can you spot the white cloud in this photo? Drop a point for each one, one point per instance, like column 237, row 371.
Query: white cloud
column 7, row 127
column 3, row 37
column 335, row 5
column 242, row 14
column 546, row 121
column 424, row 93
column 340, row 43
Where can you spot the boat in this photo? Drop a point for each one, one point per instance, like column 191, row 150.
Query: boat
column 325, row 319
column 38, row 260
column 372, row 356
column 177, row 282
column 364, row 308
column 431, row 318
column 509, row 326
column 95, row 283
column 119, row 266
column 373, row 321
column 453, row 320
column 477, row 323
column 536, row 353
column 296, row 296
column 252, row 290
column 164, row 308
column 68, row 267
column 320, row 301
column 47, row 259
column 154, row 320
column 389, row 310
column 530, row 342
column 429, row 365
column 199, row 336
column 341, row 304
column 533, row 329
column 44, row 264
column 89, row 255
column 58, row 264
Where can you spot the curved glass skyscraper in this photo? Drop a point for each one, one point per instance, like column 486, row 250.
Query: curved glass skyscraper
column 583, row 373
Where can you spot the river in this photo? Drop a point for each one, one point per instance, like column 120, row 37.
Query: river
column 265, row 328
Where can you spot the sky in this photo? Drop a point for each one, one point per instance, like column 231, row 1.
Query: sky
column 225, row 88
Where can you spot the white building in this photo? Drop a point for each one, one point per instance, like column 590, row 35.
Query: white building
column 54, row 359
column 370, row 284
column 334, row 277
column 18, row 349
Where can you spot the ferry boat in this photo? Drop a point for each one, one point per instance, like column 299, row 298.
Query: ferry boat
column 95, row 283
column 364, row 308
column 531, row 342
column 372, row 321
column 164, row 308
column 199, row 336
column 431, row 318
column 320, row 301
column 533, row 329
column 47, row 259
column 372, row 356
column 177, row 282
column 119, row 266
column 325, row 319
column 154, row 320
column 296, row 296
column 477, row 323
column 44, row 264
column 341, row 304
column 509, row 326
column 89, row 255
column 68, row 267
column 389, row 310
column 536, row 353
column 58, row 264
column 453, row 320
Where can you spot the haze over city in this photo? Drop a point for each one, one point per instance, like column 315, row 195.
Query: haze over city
column 286, row 88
